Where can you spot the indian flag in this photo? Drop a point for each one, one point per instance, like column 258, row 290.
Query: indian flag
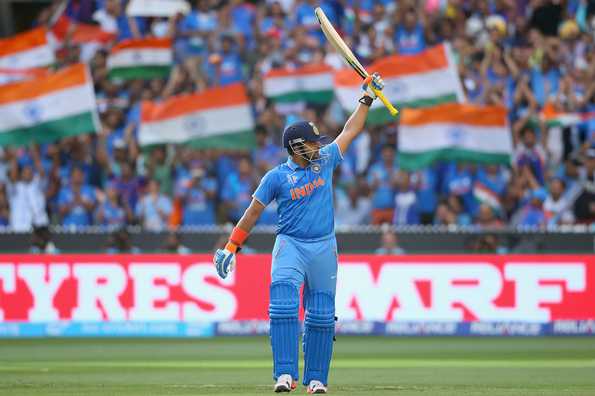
column 308, row 84
column 554, row 117
column 144, row 58
column 454, row 131
column 42, row 110
column 8, row 76
column 26, row 50
column 426, row 79
column 486, row 195
column 89, row 37
column 217, row 118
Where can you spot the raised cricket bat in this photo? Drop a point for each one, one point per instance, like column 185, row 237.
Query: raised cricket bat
column 333, row 37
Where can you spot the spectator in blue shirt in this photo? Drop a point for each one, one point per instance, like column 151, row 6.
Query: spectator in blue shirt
column 76, row 201
column 154, row 209
column 406, row 208
column 532, row 213
column 458, row 181
column 225, row 67
column 242, row 18
column 409, row 35
column 305, row 17
column 197, row 195
column 238, row 189
column 426, row 185
column 266, row 154
column 381, row 179
column 128, row 185
column 194, row 29
column 111, row 213
column 545, row 80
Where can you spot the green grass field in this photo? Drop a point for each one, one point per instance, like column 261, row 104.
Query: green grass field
column 241, row 366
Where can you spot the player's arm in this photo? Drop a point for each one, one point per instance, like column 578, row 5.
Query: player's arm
column 246, row 223
column 225, row 259
column 355, row 123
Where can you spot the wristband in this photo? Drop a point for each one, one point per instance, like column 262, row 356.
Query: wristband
column 366, row 100
column 236, row 239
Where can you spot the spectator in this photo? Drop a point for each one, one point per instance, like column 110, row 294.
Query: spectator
column 410, row 35
column 111, row 212
column 444, row 215
column 266, row 155
column 458, row 181
column 557, row 206
column 174, row 245
column 154, row 209
column 457, row 208
column 4, row 207
column 193, row 33
column 584, row 207
column 160, row 169
column 77, row 201
column 128, row 185
column 426, row 185
column 532, row 214
column 486, row 218
column 238, row 189
column 406, row 209
column 41, row 241
column 389, row 244
column 530, row 154
column 381, row 178
column 225, row 67
column 197, row 196
column 26, row 199
column 489, row 244
column 352, row 207
column 119, row 242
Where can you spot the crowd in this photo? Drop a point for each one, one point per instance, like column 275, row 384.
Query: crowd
column 524, row 54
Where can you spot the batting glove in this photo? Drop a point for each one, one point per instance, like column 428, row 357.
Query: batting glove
column 225, row 262
column 373, row 81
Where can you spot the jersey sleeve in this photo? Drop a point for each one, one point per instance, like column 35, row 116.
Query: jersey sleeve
column 334, row 154
column 267, row 189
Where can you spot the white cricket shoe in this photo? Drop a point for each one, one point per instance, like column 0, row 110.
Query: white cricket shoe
column 284, row 384
column 316, row 387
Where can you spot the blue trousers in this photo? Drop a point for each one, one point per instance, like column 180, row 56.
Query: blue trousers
column 312, row 264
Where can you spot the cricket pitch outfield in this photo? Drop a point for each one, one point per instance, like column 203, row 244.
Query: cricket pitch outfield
column 242, row 366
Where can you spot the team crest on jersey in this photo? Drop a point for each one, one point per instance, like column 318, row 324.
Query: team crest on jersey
column 316, row 168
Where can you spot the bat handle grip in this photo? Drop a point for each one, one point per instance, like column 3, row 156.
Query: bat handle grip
column 392, row 110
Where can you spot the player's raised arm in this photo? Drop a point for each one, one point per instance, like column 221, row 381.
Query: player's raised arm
column 224, row 259
column 355, row 123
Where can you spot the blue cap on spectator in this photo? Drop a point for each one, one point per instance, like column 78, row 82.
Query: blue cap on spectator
column 540, row 194
column 301, row 131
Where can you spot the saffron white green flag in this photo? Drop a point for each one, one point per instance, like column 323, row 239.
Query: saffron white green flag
column 8, row 76
column 553, row 117
column 308, row 84
column 454, row 131
column 49, row 108
column 217, row 118
column 144, row 58
column 26, row 50
column 426, row 79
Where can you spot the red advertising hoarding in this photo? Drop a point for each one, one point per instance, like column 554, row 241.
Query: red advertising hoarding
column 417, row 288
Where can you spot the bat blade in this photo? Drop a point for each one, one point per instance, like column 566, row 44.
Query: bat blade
column 337, row 42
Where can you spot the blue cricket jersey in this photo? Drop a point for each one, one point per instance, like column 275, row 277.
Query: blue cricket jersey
column 304, row 196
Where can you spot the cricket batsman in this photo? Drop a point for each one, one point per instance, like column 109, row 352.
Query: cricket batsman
column 305, row 250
